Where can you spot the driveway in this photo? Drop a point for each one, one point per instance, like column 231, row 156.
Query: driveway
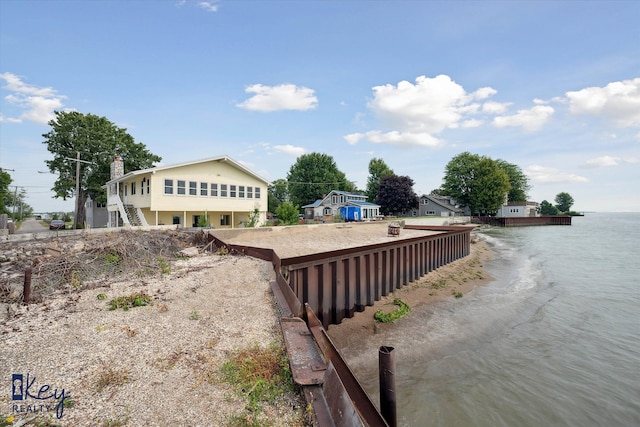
column 31, row 226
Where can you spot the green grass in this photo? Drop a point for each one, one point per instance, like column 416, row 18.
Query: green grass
column 125, row 302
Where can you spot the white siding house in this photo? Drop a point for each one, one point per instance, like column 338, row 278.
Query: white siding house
column 219, row 189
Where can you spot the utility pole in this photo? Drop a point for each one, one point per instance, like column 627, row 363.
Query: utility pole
column 77, row 207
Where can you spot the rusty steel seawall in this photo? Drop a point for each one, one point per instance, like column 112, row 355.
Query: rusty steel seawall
column 337, row 284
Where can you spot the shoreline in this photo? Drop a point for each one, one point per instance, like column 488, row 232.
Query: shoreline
column 459, row 277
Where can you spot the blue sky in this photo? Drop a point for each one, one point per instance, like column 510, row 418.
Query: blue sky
column 551, row 86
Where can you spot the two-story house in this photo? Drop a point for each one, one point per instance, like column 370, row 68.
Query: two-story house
column 434, row 205
column 330, row 206
column 219, row 189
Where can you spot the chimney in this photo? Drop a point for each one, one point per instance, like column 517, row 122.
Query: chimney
column 117, row 168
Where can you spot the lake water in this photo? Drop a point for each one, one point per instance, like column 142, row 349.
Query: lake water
column 554, row 340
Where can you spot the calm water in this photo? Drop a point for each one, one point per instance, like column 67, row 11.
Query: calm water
column 554, row 340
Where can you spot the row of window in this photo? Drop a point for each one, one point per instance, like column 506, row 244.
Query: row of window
column 145, row 183
column 205, row 189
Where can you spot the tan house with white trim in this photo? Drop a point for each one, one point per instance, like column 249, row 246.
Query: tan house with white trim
column 218, row 188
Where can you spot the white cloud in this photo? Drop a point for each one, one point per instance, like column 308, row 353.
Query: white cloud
column 37, row 104
column 395, row 138
column 471, row 123
column 415, row 113
column 492, row 107
column 354, row 138
column 608, row 161
column 603, row 161
column 545, row 175
column 281, row 97
column 617, row 101
column 209, row 6
column 290, row 150
column 531, row 119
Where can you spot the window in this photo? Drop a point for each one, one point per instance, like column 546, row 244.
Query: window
column 176, row 219
column 249, row 192
column 232, row 191
column 431, row 213
column 241, row 191
column 425, row 201
column 334, row 200
column 204, row 187
column 125, row 186
column 193, row 188
column 181, row 187
column 257, row 192
column 223, row 190
column 149, row 186
column 142, row 187
column 168, row 186
column 133, row 188
column 225, row 219
column 214, row 190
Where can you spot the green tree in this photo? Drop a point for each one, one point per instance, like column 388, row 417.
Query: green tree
column 517, row 179
column 547, row 208
column 396, row 195
column 313, row 176
column 378, row 169
column 98, row 141
column 5, row 193
column 564, row 201
column 287, row 213
column 477, row 182
column 278, row 193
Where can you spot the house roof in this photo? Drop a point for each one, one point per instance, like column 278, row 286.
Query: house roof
column 442, row 202
column 225, row 159
column 363, row 204
column 314, row 204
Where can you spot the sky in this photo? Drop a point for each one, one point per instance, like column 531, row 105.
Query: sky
column 550, row 86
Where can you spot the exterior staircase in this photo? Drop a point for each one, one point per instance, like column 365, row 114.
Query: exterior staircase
column 132, row 214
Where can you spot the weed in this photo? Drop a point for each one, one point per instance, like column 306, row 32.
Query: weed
column 222, row 251
column 101, row 296
column 260, row 375
column 440, row 284
column 194, row 315
column 76, row 282
column 110, row 377
column 165, row 268
column 402, row 310
column 115, row 422
column 456, row 294
column 113, row 259
column 136, row 299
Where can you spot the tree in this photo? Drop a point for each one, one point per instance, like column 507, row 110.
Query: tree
column 395, row 195
column 98, row 141
column 278, row 193
column 313, row 176
column 5, row 194
column 517, row 179
column 477, row 182
column 564, row 201
column 547, row 208
column 288, row 213
column 378, row 169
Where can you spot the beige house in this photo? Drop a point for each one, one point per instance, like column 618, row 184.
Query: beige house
column 219, row 189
